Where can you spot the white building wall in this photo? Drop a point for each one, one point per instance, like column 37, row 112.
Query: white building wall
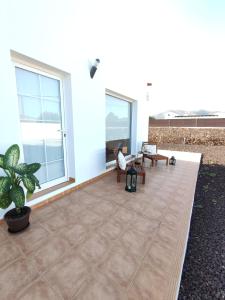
column 44, row 31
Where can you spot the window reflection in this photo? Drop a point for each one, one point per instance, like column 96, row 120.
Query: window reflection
column 118, row 125
column 41, row 123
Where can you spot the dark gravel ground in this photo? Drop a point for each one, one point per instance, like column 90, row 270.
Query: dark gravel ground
column 203, row 274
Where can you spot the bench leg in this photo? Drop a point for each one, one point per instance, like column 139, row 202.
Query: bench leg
column 118, row 177
column 143, row 179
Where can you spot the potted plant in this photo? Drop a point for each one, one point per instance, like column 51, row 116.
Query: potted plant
column 19, row 177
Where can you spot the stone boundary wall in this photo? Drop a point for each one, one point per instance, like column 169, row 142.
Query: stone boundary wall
column 192, row 122
column 184, row 135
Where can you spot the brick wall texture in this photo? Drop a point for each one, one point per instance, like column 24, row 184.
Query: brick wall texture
column 184, row 135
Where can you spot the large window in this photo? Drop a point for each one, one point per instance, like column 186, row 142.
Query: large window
column 42, row 124
column 118, row 125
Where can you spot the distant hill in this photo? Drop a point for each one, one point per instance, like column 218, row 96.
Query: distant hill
column 182, row 113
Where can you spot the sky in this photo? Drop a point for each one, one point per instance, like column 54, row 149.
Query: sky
column 177, row 45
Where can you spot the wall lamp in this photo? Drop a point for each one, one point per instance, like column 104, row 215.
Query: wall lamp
column 148, row 85
column 94, row 67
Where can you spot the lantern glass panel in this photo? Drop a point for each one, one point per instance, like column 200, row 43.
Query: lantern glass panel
column 131, row 180
column 134, row 181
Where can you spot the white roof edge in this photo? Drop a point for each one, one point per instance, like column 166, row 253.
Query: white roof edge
column 118, row 95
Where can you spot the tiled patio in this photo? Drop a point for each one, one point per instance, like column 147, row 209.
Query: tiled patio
column 102, row 243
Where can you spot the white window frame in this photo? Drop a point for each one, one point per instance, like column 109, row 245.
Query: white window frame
column 49, row 74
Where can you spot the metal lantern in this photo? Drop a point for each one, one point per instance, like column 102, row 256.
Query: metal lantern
column 131, row 180
column 172, row 161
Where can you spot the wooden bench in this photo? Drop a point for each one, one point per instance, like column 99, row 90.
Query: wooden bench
column 152, row 155
column 154, row 158
column 139, row 168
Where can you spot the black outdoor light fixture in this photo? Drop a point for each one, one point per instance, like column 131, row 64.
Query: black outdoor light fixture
column 131, row 180
column 94, row 67
column 172, row 161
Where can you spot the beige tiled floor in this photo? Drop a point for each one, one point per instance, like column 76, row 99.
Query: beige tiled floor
column 102, row 243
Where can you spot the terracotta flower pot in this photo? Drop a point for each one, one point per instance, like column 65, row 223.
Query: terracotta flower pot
column 17, row 222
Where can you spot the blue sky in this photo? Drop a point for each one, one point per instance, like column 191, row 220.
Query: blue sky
column 209, row 12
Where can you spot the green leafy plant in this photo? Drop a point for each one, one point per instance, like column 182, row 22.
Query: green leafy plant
column 18, row 176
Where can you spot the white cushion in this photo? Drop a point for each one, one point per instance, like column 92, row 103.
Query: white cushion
column 150, row 149
column 122, row 161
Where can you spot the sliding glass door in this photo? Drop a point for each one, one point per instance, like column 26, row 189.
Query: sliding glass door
column 118, row 125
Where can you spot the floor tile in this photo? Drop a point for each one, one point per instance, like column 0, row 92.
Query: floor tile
column 104, row 208
column 68, row 276
column 160, row 257
column 124, row 216
column 64, row 202
column 119, row 266
column 97, row 191
column 89, row 199
column 38, row 290
column 135, row 243
column 8, row 252
column 44, row 212
column 145, row 225
column 101, row 288
column 94, row 248
column 76, row 207
column 75, row 234
column 50, row 253
column 3, row 233
column 167, row 235
column 90, row 219
column 111, row 230
column 148, row 284
column 153, row 212
column 15, row 277
column 77, row 195
column 138, row 205
column 58, row 222
column 31, row 239
column 119, row 198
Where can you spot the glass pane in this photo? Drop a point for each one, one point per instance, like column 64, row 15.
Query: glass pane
column 41, row 174
column 30, row 108
column 33, row 131
column 54, row 149
column 51, row 111
column 117, row 119
column 55, row 170
column 118, row 124
column 50, row 87
column 27, row 82
column 34, row 151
